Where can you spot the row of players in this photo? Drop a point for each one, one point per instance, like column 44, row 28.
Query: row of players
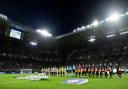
column 93, row 71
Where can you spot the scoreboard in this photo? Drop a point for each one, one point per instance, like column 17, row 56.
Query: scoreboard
column 14, row 33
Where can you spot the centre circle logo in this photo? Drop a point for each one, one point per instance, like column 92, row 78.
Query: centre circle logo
column 76, row 81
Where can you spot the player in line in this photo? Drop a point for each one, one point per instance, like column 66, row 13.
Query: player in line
column 82, row 71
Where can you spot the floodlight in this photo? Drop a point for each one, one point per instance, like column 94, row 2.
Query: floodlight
column 50, row 35
column 33, row 43
column 101, row 21
column 92, row 39
column 114, row 17
column 124, row 32
column 95, row 23
column 111, row 35
column 83, row 27
column 78, row 29
column 3, row 16
column 44, row 33
column 74, row 30
column 126, row 13
column 88, row 26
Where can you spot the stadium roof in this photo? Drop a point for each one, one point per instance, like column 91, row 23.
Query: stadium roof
column 81, row 34
column 106, row 29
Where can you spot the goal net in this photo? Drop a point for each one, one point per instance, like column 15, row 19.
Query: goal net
column 26, row 71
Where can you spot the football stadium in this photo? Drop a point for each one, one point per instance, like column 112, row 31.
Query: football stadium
column 92, row 56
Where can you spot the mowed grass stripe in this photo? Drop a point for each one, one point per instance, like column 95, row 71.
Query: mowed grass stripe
column 10, row 82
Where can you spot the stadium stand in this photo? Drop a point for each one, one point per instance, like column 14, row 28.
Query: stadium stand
column 68, row 50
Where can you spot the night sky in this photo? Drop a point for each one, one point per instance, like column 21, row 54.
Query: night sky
column 60, row 16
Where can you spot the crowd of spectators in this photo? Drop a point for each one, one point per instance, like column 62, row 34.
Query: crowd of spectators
column 114, row 50
column 15, row 55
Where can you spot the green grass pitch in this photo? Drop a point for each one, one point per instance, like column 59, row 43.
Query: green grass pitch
column 8, row 81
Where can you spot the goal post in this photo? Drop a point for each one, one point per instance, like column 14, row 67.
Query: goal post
column 26, row 71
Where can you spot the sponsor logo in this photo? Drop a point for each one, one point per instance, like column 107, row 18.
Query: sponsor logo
column 76, row 81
